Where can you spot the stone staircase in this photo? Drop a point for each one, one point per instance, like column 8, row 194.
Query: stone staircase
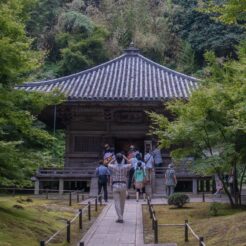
column 159, row 188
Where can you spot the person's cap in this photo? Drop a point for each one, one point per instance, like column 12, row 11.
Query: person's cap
column 132, row 147
column 170, row 165
column 106, row 145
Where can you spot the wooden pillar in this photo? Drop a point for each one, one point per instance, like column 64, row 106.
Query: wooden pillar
column 194, row 186
column 61, row 186
column 36, row 191
column 207, row 185
column 202, row 185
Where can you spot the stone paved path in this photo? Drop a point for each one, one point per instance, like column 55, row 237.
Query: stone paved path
column 106, row 232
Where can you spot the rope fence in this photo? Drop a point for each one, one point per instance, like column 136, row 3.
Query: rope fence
column 186, row 226
column 84, row 211
column 72, row 194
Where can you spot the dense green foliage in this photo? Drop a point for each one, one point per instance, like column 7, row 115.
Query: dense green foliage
column 211, row 126
column 202, row 32
column 78, row 34
column 71, row 40
column 16, row 58
column 22, row 136
column 228, row 11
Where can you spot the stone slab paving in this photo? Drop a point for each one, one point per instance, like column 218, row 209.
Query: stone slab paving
column 105, row 231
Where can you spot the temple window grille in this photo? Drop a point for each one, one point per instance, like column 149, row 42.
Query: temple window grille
column 87, row 144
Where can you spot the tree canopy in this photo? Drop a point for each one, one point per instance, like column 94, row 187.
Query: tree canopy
column 211, row 126
column 22, row 135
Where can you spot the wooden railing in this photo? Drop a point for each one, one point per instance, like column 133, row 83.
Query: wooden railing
column 69, row 195
column 66, row 172
column 155, row 226
column 180, row 171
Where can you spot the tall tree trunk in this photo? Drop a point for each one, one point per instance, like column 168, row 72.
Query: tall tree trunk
column 226, row 190
column 235, row 185
column 241, row 184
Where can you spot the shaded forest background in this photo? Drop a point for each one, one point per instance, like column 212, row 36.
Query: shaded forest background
column 78, row 34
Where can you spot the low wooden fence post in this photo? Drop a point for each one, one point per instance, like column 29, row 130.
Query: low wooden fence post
column 80, row 219
column 47, row 194
column 100, row 199
column 42, row 243
column 82, row 197
column 186, row 231
column 150, row 212
column 203, row 197
column 89, row 210
column 68, row 231
column 96, row 204
column 70, row 199
column 201, row 240
column 77, row 197
column 156, row 230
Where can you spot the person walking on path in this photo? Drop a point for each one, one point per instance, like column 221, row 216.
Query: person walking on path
column 103, row 174
column 139, row 177
column 170, row 180
column 149, row 161
column 119, row 183
column 157, row 156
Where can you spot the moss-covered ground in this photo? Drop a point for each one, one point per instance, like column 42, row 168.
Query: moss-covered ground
column 37, row 220
column 228, row 228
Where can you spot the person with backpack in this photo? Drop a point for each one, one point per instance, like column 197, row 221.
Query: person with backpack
column 102, row 172
column 170, row 180
column 149, row 161
column 139, row 177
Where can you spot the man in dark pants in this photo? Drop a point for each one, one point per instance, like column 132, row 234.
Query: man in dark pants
column 102, row 173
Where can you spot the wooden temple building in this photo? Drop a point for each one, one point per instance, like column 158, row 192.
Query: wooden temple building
column 108, row 104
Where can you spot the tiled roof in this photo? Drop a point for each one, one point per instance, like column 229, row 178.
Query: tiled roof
column 129, row 77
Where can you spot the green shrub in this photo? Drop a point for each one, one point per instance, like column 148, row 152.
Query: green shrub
column 178, row 200
column 214, row 209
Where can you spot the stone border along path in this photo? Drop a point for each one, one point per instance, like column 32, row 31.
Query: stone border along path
column 105, row 231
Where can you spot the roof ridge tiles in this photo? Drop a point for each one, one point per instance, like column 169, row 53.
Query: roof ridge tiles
column 56, row 80
column 129, row 77
column 166, row 68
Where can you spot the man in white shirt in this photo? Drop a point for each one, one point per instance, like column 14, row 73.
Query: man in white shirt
column 119, row 182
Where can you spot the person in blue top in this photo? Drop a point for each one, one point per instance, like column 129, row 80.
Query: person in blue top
column 103, row 174
column 139, row 177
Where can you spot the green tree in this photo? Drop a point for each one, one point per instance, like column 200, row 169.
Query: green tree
column 211, row 125
column 140, row 21
column 22, row 135
column 202, row 32
column 187, row 62
column 229, row 11
column 80, row 43
column 16, row 57
column 71, row 40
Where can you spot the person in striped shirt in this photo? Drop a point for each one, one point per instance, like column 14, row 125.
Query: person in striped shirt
column 119, row 183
